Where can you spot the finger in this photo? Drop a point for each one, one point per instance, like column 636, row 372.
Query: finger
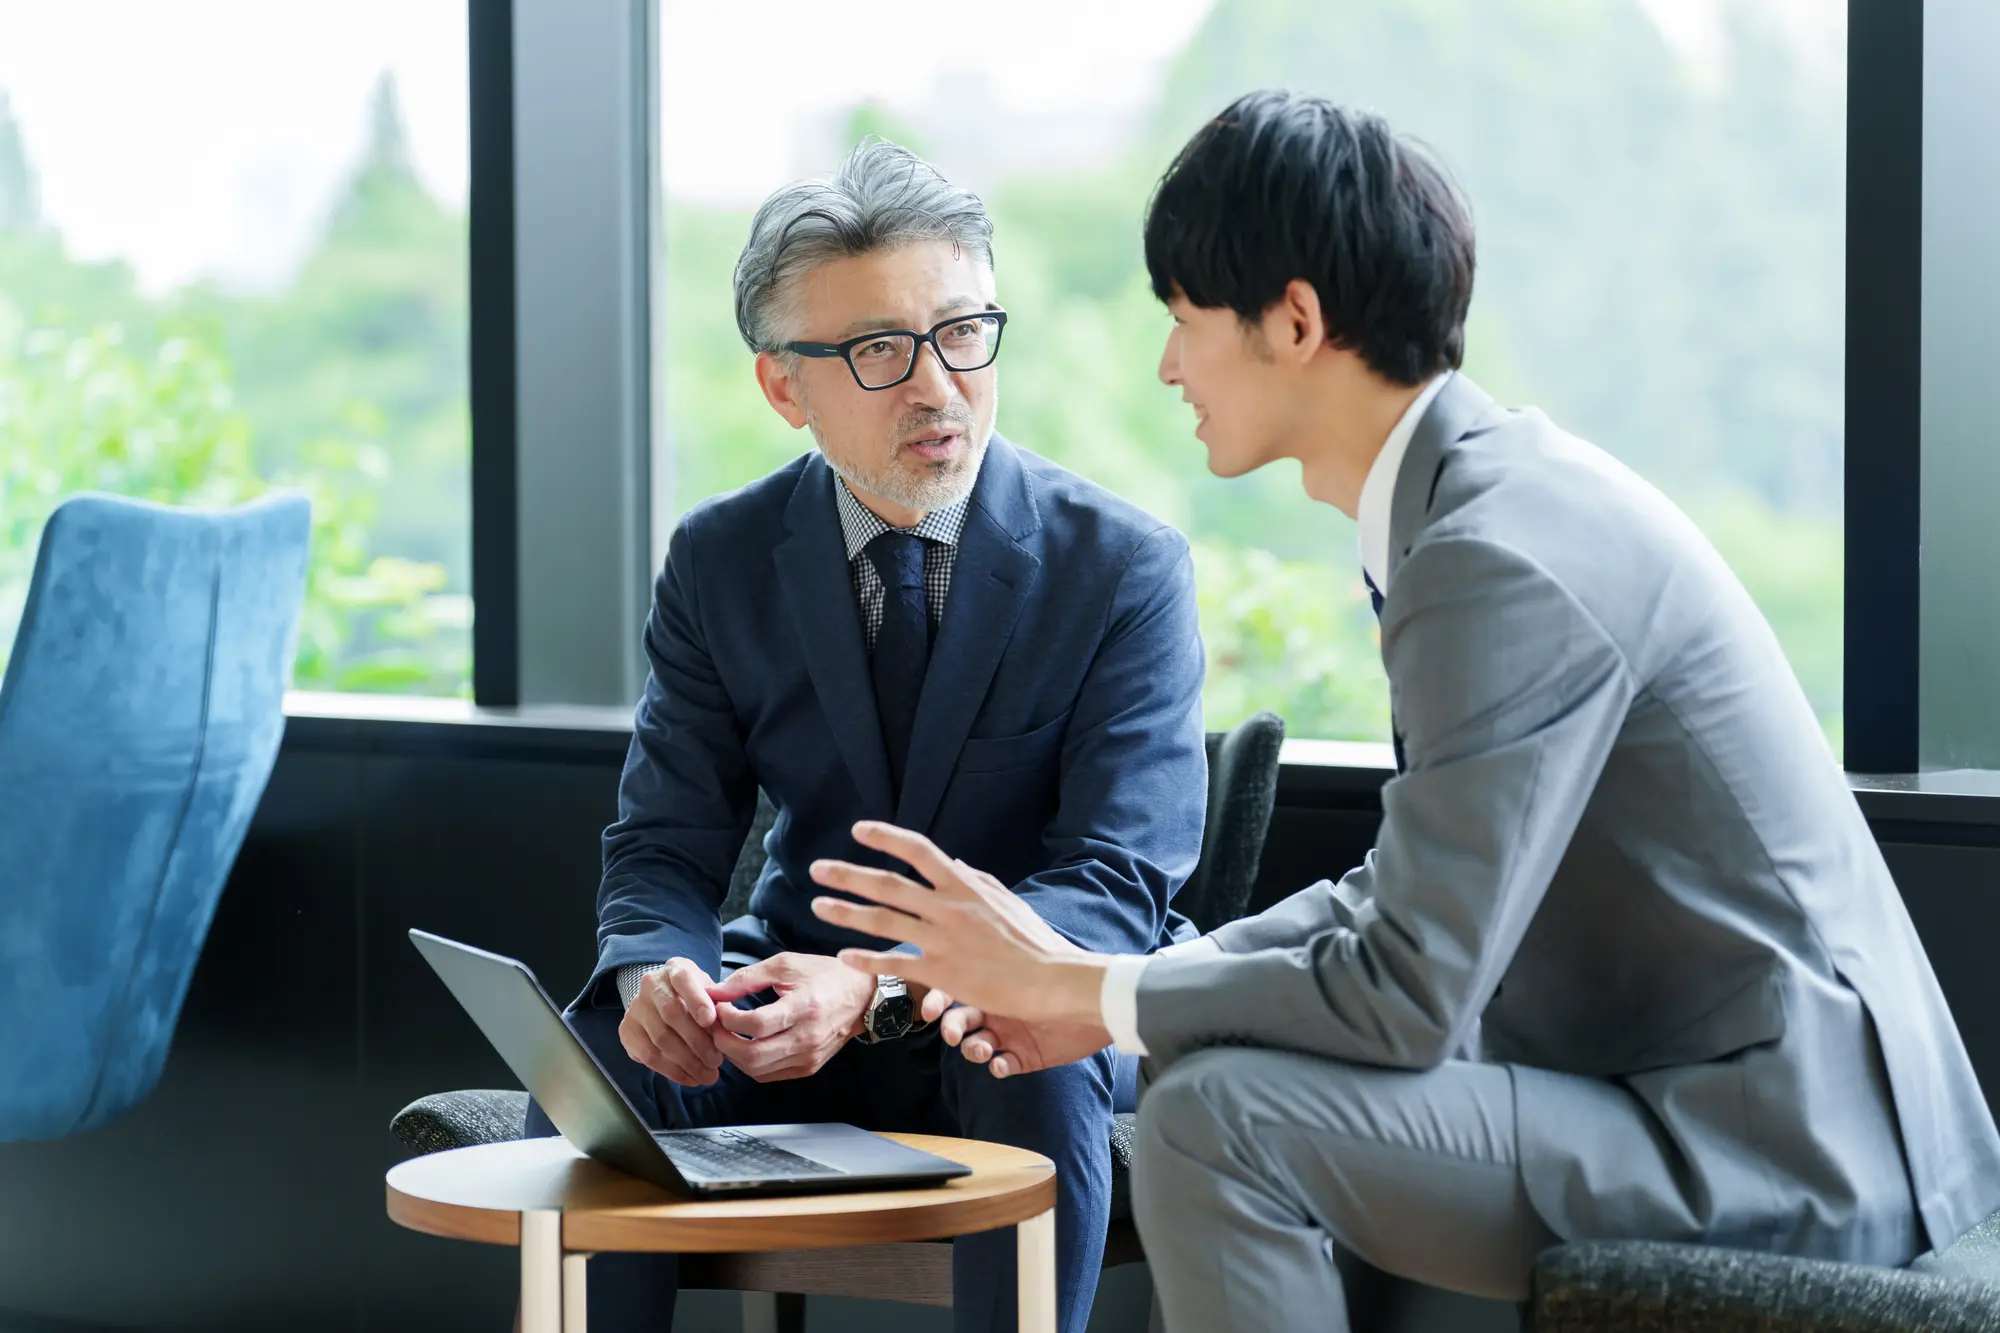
column 766, row 1022
column 878, row 921
column 913, row 849
column 691, row 984
column 633, row 1037
column 979, row 1046
column 680, row 1033
column 648, row 1039
column 758, row 1058
column 1006, row 1065
column 959, row 1022
column 913, row 968
column 936, row 1002
column 646, row 1019
column 877, row 886
column 694, row 1076
column 796, row 1069
column 749, row 980
column 909, row 967
column 981, row 877
column 803, row 1067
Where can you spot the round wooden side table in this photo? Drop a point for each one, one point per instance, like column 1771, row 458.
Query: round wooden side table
column 561, row 1207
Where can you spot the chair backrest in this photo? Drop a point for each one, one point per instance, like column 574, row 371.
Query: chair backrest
column 140, row 716
column 1242, row 789
column 750, row 860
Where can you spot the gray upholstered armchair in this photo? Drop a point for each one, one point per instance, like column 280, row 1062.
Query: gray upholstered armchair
column 1648, row 1287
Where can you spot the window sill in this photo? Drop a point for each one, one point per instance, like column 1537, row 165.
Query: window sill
column 1315, row 774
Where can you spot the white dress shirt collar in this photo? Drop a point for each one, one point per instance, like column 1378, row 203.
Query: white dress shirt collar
column 1378, row 491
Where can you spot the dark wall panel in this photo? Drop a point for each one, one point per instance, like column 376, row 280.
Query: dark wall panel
column 500, row 853
column 1953, row 893
column 1307, row 845
column 232, row 1195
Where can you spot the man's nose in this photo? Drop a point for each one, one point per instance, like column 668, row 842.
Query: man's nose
column 1170, row 359
column 930, row 384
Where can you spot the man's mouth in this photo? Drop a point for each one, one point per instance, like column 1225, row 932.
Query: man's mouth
column 935, row 447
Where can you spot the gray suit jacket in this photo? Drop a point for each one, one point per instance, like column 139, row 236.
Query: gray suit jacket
column 1622, row 860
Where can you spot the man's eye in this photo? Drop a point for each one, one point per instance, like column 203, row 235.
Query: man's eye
column 875, row 349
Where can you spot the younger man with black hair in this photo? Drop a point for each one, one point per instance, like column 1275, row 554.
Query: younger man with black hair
column 1625, row 961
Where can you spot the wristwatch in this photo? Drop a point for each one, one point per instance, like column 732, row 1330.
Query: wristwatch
column 890, row 1015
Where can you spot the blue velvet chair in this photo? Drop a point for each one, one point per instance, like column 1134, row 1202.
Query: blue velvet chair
column 140, row 715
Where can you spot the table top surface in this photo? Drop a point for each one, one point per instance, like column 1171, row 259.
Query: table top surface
column 479, row 1194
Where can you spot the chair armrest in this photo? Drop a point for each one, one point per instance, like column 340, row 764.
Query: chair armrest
column 1652, row 1287
column 460, row 1119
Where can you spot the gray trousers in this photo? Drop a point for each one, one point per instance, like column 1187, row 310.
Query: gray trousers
column 1252, row 1165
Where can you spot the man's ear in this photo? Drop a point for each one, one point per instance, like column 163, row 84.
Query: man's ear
column 1294, row 326
column 781, row 389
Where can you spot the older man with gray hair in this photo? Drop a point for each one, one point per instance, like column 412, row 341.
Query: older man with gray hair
column 917, row 621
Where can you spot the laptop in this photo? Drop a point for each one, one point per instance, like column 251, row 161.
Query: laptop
column 528, row 1031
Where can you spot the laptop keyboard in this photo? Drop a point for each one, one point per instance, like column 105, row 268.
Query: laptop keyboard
column 727, row 1155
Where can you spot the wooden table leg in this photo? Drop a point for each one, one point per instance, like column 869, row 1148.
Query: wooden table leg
column 1035, row 1262
column 575, row 1293
column 541, row 1271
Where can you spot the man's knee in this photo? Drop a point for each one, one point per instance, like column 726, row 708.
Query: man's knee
column 1187, row 1109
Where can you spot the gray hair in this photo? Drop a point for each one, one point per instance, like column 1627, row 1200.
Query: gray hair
column 882, row 197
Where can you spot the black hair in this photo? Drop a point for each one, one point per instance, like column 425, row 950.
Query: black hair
column 1283, row 186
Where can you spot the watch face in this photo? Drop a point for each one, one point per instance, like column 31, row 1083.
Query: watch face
column 890, row 1018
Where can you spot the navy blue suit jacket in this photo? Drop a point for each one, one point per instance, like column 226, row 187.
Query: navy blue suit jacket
column 1058, row 739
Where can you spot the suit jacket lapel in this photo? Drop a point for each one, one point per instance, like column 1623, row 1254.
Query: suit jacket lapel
column 812, row 570
column 1457, row 408
column 990, row 583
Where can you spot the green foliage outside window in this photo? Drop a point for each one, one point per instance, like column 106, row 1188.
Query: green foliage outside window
column 348, row 385
column 1661, row 260
column 87, row 412
column 1660, row 269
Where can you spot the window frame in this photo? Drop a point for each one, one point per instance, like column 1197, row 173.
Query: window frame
column 1881, row 592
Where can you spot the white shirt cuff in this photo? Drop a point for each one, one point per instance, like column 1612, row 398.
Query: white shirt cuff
column 1119, row 998
column 1119, row 1001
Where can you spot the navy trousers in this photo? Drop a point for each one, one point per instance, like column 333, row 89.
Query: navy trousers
column 916, row 1085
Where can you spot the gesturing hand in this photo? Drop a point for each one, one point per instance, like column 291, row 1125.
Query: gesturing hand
column 819, row 1008
column 980, row 941
column 667, row 1026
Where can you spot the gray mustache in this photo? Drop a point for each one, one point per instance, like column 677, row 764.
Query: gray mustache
column 936, row 421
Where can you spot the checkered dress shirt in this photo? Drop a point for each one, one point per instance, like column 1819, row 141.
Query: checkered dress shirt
column 860, row 525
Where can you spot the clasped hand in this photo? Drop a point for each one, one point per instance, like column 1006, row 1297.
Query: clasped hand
column 684, row 1025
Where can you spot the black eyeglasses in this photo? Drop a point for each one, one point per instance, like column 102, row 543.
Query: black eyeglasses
column 884, row 360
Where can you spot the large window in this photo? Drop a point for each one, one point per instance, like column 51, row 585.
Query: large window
column 233, row 255
column 1658, row 186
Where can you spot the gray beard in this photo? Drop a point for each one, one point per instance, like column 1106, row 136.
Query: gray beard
column 926, row 492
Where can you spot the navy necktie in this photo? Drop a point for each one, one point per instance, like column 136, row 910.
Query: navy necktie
column 1375, row 600
column 903, row 644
